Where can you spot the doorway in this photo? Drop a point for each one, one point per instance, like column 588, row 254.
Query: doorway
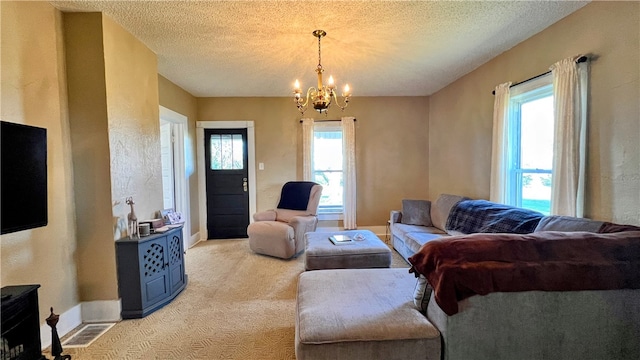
column 231, row 190
column 227, row 183
column 168, row 171
column 175, row 184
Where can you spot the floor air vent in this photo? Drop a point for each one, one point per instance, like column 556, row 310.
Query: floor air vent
column 86, row 335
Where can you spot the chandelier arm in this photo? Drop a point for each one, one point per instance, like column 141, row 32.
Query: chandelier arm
column 302, row 107
column 346, row 101
column 331, row 93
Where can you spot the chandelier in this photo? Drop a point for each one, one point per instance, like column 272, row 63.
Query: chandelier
column 324, row 95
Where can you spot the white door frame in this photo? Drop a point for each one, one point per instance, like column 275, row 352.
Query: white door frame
column 202, row 189
column 169, row 148
column 181, row 182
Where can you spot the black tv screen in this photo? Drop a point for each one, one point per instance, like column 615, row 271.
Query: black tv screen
column 23, row 177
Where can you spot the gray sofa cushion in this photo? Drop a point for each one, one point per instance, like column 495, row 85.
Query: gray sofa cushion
column 567, row 223
column 401, row 247
column 402, row 230
column 416, row 212
column 441, row 208
column 415, row 240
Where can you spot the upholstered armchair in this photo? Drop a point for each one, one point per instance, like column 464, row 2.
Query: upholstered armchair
column 280, row 232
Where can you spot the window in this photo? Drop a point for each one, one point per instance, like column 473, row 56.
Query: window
column 539, row 141
column 531, row 127
column 326, row 166
column 227, row 151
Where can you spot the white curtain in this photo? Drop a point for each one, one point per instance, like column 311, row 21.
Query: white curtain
column 307, row 148
column 349, row 170
column 570, row 81
column 500, row 144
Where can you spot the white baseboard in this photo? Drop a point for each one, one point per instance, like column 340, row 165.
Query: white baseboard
column 101, row 311
column 69, row 320
column 195, row 239
column 85, row 312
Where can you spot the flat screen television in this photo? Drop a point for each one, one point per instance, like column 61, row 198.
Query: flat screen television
column 23, row 178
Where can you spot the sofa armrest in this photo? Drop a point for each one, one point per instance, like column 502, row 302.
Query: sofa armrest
column 302, row 225
column 285, row 215
column 268, row 215
column 305, row 221
column 396, row 216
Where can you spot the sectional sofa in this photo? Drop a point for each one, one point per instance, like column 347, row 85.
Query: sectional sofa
column 389, row 313
column 586, row 324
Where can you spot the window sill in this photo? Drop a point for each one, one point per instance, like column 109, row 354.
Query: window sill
column 330, row 216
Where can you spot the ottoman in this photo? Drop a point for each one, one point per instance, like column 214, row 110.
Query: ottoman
column 361, row 314
column 321, row 253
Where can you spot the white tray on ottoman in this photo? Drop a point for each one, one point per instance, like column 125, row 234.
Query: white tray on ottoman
column 321, row 253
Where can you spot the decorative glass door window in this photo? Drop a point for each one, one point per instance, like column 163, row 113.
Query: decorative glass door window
column 227, row 152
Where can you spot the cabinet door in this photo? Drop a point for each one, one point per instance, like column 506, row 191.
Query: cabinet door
column 176, row 261
column 154, row 271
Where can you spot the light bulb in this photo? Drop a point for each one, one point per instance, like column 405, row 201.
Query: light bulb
column 347, row 91
column 297, row 85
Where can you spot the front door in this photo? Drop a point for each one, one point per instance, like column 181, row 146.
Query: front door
column 226, row 174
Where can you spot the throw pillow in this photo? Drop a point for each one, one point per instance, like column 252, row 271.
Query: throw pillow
column 441, row 209
column 422, row 293
column 416, row 212
column 609, row 227
column 567, row 223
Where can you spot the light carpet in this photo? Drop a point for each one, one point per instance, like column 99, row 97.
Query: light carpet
column 237, row 305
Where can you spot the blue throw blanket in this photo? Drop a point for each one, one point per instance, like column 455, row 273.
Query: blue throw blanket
column 481, row 216
column 295, row 195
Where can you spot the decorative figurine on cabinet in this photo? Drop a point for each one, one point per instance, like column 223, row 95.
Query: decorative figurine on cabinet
column 133, row 220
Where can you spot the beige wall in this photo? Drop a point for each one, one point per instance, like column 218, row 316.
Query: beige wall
column 34, row 93
column 460, row 117
column 114, row 111
column 90, row 143
column 131, row 71
column 104, row 131
column 391, row 147
column 175, row 98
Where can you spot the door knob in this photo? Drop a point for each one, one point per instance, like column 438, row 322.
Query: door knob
column 244, row 184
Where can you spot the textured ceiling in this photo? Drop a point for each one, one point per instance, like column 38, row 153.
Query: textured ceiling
column 381, row 48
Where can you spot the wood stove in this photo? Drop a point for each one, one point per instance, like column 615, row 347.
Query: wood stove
column 20, row 323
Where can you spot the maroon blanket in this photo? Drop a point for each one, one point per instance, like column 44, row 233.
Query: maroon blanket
column 462, row 266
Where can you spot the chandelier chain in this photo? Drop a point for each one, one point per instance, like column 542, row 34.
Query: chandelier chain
column 319, row 54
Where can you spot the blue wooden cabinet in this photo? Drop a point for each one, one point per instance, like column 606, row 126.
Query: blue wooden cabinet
column 151, row 272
